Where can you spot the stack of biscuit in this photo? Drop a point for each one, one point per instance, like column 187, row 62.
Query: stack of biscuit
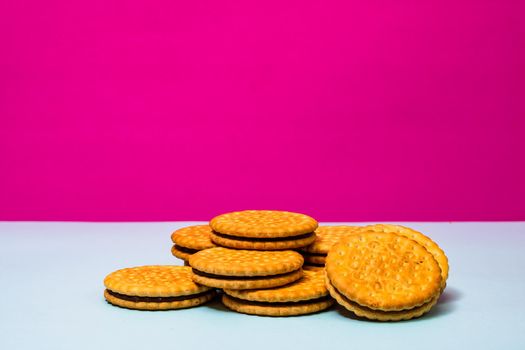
column 277, row 263
column 256, row 267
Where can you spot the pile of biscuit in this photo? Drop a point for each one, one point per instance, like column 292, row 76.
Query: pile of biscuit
column 278, row 263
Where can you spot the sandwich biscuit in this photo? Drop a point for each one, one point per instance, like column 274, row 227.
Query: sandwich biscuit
column 383, row 276
column 263, row 230
column 155, row 287
column 245, row 269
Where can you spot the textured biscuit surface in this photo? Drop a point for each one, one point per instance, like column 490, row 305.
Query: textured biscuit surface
column 420, row 238
column 193, row 237
column 383, row 271
column 182, row 304
column 263, row 223
column 231, row 262
column 179, row 253
column 379, row 315
column 311, row 286
column 252, row 283
column 257, row 245
column 275, row 309
column 327, row 236
column 153, row 281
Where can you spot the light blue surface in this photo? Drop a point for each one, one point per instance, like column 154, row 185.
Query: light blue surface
column 51, row 281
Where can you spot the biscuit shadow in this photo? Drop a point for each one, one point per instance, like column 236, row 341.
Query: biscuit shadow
column 445, row 305
column 450, row 295
column 217, row 304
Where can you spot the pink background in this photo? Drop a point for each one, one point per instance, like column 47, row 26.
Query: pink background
column 359, row 110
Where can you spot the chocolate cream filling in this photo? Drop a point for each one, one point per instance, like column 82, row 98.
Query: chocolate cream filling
column 223, row 277
column 312, row 254
column 307, row 263
column 185, row 250
column 259, row 239
column 276, row 303
column 138, row 299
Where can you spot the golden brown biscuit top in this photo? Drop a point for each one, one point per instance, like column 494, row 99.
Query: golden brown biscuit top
column 193, row 237
column 420, row 238
column 311, row 286
column 327, row 236
column 153, row 281
column 263, row 223
column 232, row 262
column 383, row 271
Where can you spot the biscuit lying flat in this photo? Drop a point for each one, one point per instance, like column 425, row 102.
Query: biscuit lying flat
column 326, row 237
column 304, row 296
column 383, row 276
column 245, row 269
column 189, row 240
column 155, row 288
column 263, row 230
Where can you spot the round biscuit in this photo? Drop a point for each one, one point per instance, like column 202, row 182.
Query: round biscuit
column 383, row 271
column 193, row 237
column 231, row 262
column 311, row 286
column 276, row 309
column 258, row 245
column 263, row 223
column 153, row 281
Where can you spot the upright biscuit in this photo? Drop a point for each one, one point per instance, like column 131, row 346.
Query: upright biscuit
column 383, row 271
column 155, row 288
